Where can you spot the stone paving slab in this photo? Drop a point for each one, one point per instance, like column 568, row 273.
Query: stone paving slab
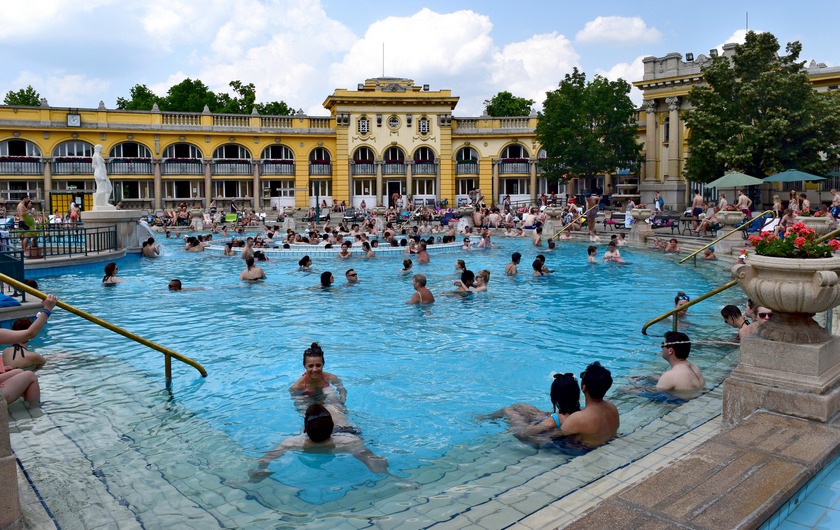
column 736, row 479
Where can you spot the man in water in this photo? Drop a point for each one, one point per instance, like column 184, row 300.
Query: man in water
column 684, row 377
column 422, row 295
column 318, row 437
column 598, row 422
column 510, row 268
column 352, row 276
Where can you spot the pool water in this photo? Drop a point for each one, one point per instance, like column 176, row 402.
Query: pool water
column 418, row 378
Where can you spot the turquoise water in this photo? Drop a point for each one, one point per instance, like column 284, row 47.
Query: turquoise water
column 418, row 378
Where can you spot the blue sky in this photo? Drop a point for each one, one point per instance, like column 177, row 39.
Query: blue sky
column 78, row 53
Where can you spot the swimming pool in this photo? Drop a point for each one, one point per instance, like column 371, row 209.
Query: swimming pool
column 418, row 378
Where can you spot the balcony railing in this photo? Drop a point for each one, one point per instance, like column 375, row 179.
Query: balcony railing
column 180, row 119
column 178, row 167
column 320, row 169
column 319, row 123
column 466, row 168
column 18, row 167
column 132, row 167
column 424, row 168
column 364, row 168
column 59, row 240
column 72, row 168
column 514, row 168
column 278, row 168
column 231, row 120
column 276, row 122
column 224, row 167
column 393, row 168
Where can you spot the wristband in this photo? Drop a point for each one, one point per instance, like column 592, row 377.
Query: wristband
column 47, row 311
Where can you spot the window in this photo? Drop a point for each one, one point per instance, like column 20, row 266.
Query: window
column 232, row 151
column 363, row 155
column 515, row 152
column 182, row 150
column 73, row 148
column 319, row 155
column 278, row 152
column 666, row 130
column 364, row 187
column 423, row 125
column 19, row 148
column 364, row 125
column 394, row 122
column 465, row 185
column 322, row 187
column 424, row 155
column 130, row 150
column 230, row 188
column 467, row 154
column 394, row 155
column 281, row 188
column 516, row 186
column 183, row 189
column 424, row 186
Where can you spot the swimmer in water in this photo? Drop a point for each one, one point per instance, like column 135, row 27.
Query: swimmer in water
column 315, row 380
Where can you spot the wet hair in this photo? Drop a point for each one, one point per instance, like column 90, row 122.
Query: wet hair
column 318, row 423
column 467, row 276
column 110, row 269
column 304, row 261
column 313, row 351
column 516, row 257
column 541, row 257
column 484, row 273
column 249, row 262
column 260, row 256
column 680, row 342
column 31, row 283
column 461, row 263
column 406, row 264
column 175, row 284
column 591, row 250
column 537, row 265
column 681, row 296
column 420, row 279
column 597, row 380
column 565, row 394
column 730, row 311
column 325, row 279
column 21, row 324
column 403, row 242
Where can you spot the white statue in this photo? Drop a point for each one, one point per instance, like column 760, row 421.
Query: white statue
column 103, row 183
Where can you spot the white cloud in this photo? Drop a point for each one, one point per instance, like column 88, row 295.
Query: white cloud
column 630, row 72
column 739, row 37
column 34, row 18
column 531, row 68
column 619, row 30
column 66, row 90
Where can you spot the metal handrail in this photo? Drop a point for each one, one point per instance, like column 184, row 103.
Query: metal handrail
column 826, row 237
column 116, row 329
column 751, row 220
column 683, row 307
column 570, row 224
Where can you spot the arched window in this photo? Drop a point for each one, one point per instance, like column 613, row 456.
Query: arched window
column 320, row 162
column 394, row 155
column 666, row 129
column 424, row 126
column 232, row 152
column 278, row 152
column 23, row 148
column 515, row 153
column 466, row 161
column 182, row 150
column 130, row 150
column 424, row 154
column 73, row 149
column 424, row 162
column 363, row 125
column 363, row 155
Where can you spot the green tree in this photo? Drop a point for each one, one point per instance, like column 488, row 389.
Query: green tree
column 25, row 97
column 587, row 128
column 758, row 113
column 275, row 108
column 506, row 104
column 141, row 99
column 189, row 96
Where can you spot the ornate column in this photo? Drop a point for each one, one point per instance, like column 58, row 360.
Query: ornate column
column 438, row 193
column 157, row 184
column 673, row 137
column 532, row 166
column 208, row 178
column 495, row 191
column 650, row 139
column 258, row 194
column 378, row 164
column 409, row 180
column 47, row 161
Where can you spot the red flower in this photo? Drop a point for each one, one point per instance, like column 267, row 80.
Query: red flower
column 755, row 240
column 834, row 244
column 799, row 241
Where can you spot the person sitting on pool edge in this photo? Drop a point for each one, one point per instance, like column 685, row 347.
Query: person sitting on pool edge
column 318, row 437
column 684, row 377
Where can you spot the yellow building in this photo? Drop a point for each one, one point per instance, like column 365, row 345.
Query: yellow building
column 388, row 136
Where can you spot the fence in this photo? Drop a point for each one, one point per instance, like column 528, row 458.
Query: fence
column 59, row 240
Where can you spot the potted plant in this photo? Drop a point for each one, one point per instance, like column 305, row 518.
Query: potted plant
column 731, row 216
column 641, row 212
column 818, row 221
column 795, row 275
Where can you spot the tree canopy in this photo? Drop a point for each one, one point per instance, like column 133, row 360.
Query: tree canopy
column 506, row 104
column 25, row 97
column 759, row 114
column 587, row 128
column 192, row 95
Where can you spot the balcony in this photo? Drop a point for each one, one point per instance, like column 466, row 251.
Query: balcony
column 466, row 168
column 393, row 168
column 320, row 169
column 182, row 167
column 23, row 166
column 364, row 168
column 130, row 167
column 424, row 168
column 232, row 167
column 514, row 168
column 72, row 167
column 284, row 167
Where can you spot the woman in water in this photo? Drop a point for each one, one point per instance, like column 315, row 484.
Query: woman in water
column 315, row 381
column 530, row 424
column 110, row 274
column 304, row 263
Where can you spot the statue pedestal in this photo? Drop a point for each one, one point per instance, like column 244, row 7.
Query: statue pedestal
column 639, row 231
column 801, row 380
column 126, row 221
column 733, row 242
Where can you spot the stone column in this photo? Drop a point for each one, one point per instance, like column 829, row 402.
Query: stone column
column 379, row 201
column 673, row 137
column 495, row 191
column 532, row 165
column 258, row 194
column 47, row 182
column 409, row 180
column 157, row 184
column 10, row 499
column 208, row 178
column 650, row 139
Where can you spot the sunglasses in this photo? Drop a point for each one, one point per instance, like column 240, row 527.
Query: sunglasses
column 765, row 315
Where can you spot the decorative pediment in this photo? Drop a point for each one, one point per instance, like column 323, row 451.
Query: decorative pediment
column 393, row 87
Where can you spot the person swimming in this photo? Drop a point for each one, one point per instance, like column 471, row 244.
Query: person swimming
column 314, row 381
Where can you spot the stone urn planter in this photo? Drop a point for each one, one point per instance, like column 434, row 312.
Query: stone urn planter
column 467, row 210
column 730, row 218
column 288, row 211
column 795, row 289
column 820, row 225
column 379, row 210
column 554, row 212
column 641, row 214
